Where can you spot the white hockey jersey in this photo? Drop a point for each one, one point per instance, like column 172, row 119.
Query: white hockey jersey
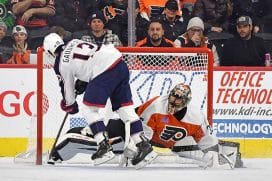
column 84, row 61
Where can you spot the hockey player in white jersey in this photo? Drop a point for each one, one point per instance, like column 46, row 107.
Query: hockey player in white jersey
column 108, row 77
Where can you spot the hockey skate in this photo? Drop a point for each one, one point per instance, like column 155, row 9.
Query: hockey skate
column 144, row 156
column 103, row 154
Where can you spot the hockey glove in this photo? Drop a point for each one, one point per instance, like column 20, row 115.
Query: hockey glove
column 72, row 109
column 80, row 86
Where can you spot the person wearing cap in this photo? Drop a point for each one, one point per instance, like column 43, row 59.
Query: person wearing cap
column 148, row 9
column 244, row 49
column 194, row 37
column 21, row 53
column 173, row 24
column 33, row 15
column 97, row 32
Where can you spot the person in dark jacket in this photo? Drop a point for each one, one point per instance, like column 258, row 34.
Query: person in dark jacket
column 72, row 14
column 214, row 13
column 5, row 43
column 244, row 49
column 252, row 8
column 173, row 24
column 155, row 37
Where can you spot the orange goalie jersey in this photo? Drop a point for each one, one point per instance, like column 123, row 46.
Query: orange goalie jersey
column 167, row 130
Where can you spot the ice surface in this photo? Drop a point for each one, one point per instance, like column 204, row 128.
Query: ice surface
column 256, row 170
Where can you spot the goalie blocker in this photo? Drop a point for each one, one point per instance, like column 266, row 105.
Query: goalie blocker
column 80, row 140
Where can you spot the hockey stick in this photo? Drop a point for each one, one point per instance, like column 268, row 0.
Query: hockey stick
column 58, row 135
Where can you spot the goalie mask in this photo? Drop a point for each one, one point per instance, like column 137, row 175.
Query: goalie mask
column 179, row 98
column 51, row 43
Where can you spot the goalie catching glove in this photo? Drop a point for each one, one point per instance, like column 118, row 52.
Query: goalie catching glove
column 71, row 109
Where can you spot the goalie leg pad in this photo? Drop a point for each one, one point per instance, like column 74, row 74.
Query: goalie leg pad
column 213, row 159
column 232, row 151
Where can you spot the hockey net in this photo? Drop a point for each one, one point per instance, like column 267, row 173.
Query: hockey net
column 153, row 72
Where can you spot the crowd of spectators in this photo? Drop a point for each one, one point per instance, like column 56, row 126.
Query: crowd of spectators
column 165, row 23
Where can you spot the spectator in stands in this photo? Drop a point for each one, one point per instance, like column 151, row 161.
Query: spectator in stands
column 173, row 24
column 6, row 16
column 155, row 37
column 5, row 50
column 72, row 14
column 116, row 15
column 245, row 49
column 3, row 30
column 4, row 41
column 21, row 52
column 252, row 8
column 214, row 14
column 151, row 9
column 97, row 32
column 194, row 37
column 33, row 16
column 148, row 9
column 267, row 19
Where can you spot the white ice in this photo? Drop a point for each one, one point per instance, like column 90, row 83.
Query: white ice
column 256, row 170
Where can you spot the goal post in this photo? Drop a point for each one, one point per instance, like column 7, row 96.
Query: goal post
column 39, row 106
column 153, row 72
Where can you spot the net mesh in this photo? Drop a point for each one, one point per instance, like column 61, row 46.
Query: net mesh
column 166, row 61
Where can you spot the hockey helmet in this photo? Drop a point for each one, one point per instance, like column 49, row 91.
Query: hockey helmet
column 179, row 97
column 51, row 42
